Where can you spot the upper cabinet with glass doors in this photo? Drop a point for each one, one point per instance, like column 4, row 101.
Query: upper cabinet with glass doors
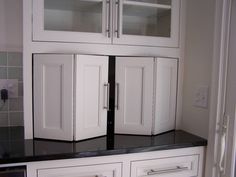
column 131, row 22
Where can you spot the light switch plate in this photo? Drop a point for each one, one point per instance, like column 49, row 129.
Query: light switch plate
column 11, row 85
column 201, row 97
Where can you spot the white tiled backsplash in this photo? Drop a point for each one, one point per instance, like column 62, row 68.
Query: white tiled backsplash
column 11, row 113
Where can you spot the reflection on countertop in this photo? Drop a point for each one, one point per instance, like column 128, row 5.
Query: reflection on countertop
column 14, row 149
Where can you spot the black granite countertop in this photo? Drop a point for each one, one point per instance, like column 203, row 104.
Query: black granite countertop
column 14, row 149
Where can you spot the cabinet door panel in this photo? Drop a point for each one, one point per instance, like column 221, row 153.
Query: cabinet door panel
column 71, row 21
column 165, row 101
column 183, row 166
column 91, row 96
column 108, row 170
column 150, row 23
column 134, row 77
column 53, row 93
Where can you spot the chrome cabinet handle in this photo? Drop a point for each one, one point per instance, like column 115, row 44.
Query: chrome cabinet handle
column 117, row 95
column 117, row 30
column 108, row 18
column 223, row 143
column 107, row 89
column 171, row 170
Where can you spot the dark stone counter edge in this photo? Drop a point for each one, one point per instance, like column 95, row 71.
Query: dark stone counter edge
column 99, row 153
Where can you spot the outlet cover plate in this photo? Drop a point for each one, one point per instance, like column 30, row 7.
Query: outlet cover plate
column 201, row 97
column 11, row 85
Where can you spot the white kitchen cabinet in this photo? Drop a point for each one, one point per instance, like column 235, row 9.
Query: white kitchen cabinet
column 183, row 162
column 132, row 22
column 70, row 96
column 134, row 90
column 145, row 95
column 165, row 94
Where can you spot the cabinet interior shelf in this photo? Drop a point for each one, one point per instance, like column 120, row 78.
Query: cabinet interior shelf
column 144, row 4
column 73, row 5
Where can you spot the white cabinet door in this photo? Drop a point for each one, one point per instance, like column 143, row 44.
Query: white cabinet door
column 134, row 78
column 53, row 96
column 72, row 21
column 165, row 97
column 91, row 96
column 147, row 22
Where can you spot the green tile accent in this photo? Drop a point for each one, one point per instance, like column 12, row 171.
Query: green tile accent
column 16, row 118
column 3, row 73
column 15, row 73
column 16, row 104
column 11, row 67
column 3, row 106
column 15, row 59
column 20, row 89
column 3, row 58
column 3, row 119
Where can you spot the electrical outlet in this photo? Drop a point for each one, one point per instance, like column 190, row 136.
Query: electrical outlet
column 11, row 85
column 201, row 97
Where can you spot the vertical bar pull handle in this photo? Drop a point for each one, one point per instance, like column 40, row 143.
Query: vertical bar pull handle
column 223, row 143
column 117, row 95
column 117, row 30
column 108, row 18
column 107, row 101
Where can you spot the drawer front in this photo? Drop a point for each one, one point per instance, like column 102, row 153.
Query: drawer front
column 184, row 166
column 103, row 170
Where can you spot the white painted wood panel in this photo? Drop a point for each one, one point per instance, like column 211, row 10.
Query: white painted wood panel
column 53, row 96
column 108, row 170
column 134, row 76
column 165, row 97
column 123, row 162
column 182, row 166
column 91, row 96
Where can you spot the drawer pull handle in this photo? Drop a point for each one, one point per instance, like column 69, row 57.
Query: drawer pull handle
column 170, row 170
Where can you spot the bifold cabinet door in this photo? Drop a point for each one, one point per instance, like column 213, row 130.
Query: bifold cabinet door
column 91, row 96
column 166, row 89
column 134, row 95
column 53, row 96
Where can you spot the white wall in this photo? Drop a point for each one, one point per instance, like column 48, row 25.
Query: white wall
column 11, row 22
column 198, row 61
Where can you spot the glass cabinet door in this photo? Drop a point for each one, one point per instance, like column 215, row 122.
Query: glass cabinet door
column 147, row 22
column 71, row 20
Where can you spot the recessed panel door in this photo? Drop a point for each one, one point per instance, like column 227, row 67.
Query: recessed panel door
column 91, row 96
column 53, row 96
column 134, row 95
